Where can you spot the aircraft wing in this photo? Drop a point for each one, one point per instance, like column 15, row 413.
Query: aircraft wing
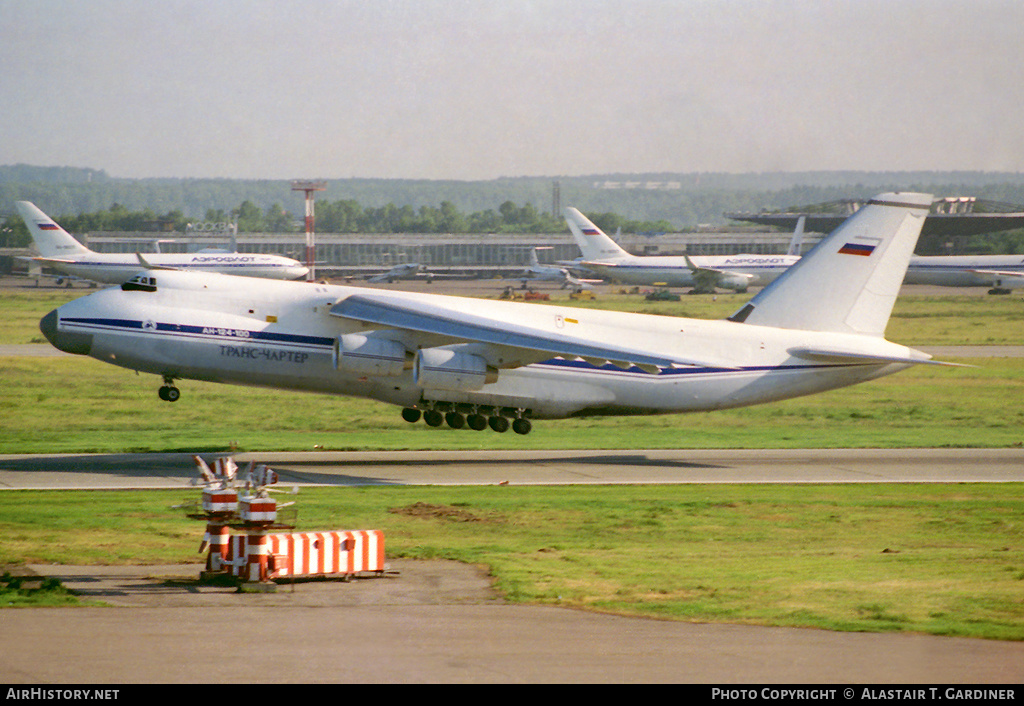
column 597, row 267
column 583, row 280
column 150, row 266
column 532, row 343
column 1007, row 278
column 709, row 277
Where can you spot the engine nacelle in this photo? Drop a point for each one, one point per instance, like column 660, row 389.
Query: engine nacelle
column 737, row 283
column 446, row 369
column 366, row 355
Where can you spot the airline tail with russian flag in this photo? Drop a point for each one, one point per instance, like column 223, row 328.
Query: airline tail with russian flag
column 52, row 241
column 595, row 245
column 849, row 281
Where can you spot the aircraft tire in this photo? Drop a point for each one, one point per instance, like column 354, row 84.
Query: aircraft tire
column 498, row 424
column 411, row 415
column 433, row 418
column 455, row 420
column 522, row 426
column 477, row 422
column 169, row 393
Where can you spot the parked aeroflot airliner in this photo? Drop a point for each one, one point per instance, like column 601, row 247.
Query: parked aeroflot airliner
column 1000, row 272
column 605, row 257
column 474, row 362
column 62, row 252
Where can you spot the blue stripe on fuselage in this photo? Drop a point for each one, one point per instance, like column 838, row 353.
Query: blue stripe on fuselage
column 202, row 332
column 235, row 335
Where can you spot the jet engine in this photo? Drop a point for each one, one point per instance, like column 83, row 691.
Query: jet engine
column 366, row 355
column 447, row 369
column 737, row 283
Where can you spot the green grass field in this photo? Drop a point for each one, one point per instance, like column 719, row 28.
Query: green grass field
column 938, row 559
column 79, row 404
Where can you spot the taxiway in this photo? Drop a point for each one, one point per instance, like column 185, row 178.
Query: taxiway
column 518, row 467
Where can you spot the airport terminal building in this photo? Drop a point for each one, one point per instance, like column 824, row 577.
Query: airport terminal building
column 951, row 223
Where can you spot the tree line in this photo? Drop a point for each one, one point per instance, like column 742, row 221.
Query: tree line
column 341, row 216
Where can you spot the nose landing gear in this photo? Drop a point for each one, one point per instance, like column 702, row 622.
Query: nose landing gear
column 169, row 393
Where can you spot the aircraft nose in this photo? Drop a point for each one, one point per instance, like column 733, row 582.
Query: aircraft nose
column 78, row 343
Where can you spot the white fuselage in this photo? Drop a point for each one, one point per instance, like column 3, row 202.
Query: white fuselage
column 115, row 268
column 283, row 335
column 672, row 271
column 966, row 270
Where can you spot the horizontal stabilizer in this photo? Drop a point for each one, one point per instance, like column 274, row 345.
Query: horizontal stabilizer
column 851, row 357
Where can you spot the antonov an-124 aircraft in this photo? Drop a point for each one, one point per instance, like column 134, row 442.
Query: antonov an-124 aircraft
column 478, row 363
column 62, row 252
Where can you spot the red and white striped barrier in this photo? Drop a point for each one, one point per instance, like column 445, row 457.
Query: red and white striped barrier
column 216, row 540
column 261, row 557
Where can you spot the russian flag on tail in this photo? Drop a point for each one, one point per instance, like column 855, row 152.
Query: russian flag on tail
column 862, row 249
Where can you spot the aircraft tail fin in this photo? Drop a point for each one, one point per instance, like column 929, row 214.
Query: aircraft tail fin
column 849, row 281
column 52, row 241
column 534, row 261
column 593, row 241
column 796, row 243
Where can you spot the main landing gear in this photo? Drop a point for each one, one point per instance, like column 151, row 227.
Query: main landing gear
column 169, row 393
column 477, row 418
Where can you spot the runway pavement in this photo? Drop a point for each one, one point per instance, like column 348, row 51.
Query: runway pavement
column 554, row 467
column 440, row 622
column 469, row 642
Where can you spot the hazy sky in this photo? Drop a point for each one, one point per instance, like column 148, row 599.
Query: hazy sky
column 477, row 89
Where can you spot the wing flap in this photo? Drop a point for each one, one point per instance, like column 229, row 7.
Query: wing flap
column 426, row 318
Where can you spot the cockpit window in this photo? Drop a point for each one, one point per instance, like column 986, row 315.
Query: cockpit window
column 140, row 283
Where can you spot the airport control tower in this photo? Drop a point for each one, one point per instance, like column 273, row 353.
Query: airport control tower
column 309, row 187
